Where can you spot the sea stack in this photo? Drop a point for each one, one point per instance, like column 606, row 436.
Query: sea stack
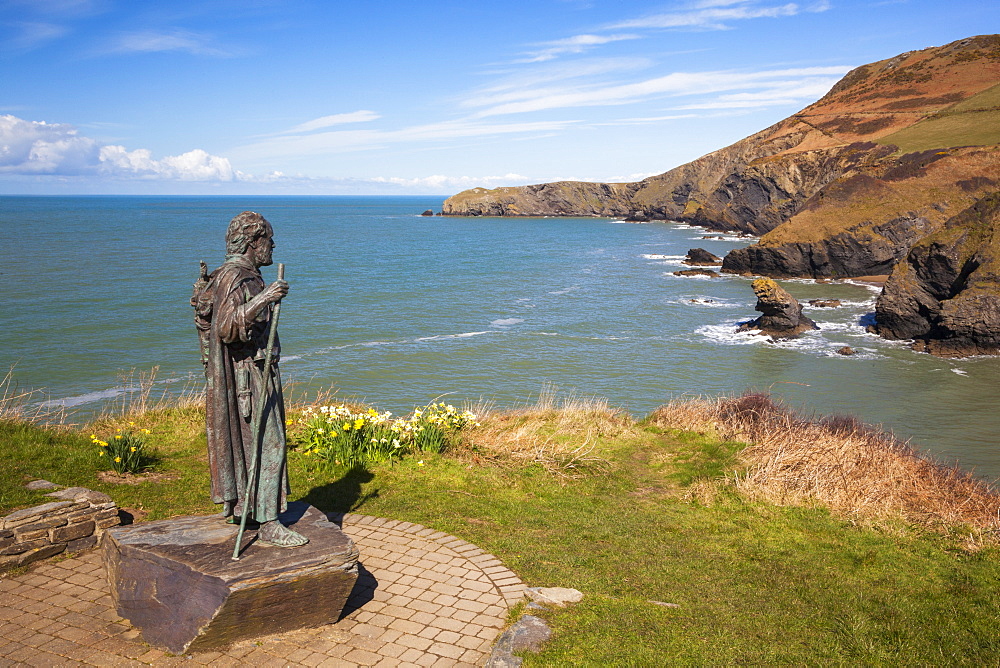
column 782, row 315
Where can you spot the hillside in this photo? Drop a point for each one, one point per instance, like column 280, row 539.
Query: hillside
column 896, row 150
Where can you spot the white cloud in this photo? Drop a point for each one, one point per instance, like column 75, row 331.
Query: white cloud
column 361, row 116
column 439, row 182
column 571, row 45
column 30, row 35
column 710, row 16
column 340, row 141
column 151, row 41
column 792, row 92
column 29, row 147
column 36, row 147
column 674, row 84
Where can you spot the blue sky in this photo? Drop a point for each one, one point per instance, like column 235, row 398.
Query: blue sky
column 300, row 97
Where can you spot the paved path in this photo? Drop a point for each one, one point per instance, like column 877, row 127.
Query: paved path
column 423, row 598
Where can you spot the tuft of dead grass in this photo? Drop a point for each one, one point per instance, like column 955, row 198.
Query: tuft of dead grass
column 29, row 406
column 852, row 468
column 557, row 432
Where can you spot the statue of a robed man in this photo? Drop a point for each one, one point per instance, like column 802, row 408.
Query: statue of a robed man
column 234, row 309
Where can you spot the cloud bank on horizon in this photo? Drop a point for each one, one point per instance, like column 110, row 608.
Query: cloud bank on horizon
column 286, row 98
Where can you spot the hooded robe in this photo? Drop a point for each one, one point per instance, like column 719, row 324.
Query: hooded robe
column 235, row 349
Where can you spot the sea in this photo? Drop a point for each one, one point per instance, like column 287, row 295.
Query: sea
column 397, row 310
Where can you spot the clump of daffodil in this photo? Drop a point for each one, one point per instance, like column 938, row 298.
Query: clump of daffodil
column 124, row 452
column 340, row 436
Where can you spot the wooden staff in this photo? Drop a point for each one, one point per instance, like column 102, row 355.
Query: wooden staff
column 258, row 424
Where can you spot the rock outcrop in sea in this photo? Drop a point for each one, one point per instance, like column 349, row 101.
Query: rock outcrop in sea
column 895, row 153
column 782, row 314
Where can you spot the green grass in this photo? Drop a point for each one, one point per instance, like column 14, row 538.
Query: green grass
column 972, row 122
column 755, row 583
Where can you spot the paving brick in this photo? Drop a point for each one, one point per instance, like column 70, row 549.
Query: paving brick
column 416, row 642
column 393, row 650
column 411, row 655
column 362, row 642
column 362, row 657
column 405, row 626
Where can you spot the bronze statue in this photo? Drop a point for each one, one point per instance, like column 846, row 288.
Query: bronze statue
column 233, row 314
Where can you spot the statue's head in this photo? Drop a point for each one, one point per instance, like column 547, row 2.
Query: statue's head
column 244, row 230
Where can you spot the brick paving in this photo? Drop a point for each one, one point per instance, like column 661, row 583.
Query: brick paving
column 423, row 598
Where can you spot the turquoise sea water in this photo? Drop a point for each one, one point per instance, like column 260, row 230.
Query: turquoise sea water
column 397, row 309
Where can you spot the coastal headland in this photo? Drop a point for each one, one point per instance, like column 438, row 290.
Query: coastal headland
column 898, row 154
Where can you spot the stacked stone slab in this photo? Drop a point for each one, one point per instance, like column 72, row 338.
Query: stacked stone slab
column 75, row 521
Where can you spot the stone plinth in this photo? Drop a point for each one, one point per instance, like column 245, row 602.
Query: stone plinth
column 176, row 582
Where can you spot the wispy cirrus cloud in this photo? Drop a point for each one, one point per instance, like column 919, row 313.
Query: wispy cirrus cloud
column 571, row 45
column 153, row 41
column 28, row 35
column 714, row 15
column 343, row 141
column 360, row 116
column 506, row 102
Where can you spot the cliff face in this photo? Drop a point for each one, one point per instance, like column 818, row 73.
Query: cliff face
column 865, row 221
column 946, row 293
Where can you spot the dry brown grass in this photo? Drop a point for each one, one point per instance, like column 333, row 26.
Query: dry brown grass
column 558, row 433
column 27, row 405
column 853, row 469
column 137, row 397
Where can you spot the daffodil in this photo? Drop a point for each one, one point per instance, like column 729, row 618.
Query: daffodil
column 133, row 449
column 118, row 459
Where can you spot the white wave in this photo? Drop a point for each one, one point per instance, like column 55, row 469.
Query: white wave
column 506, row 322
column 547, row 333
column 87, row 398
column 443, row 337
column 960, row 372
column 726, row 334
column 291, row 358
column 697, row 277
column 708, row 302
column 844, row 304
column 657, row 256
column 565, row 290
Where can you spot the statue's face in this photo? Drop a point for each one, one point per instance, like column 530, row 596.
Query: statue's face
column 262, row 249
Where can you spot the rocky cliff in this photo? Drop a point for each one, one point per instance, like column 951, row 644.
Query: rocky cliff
column 945, row 295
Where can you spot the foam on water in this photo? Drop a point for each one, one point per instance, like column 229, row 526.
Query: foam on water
column 705, row 302
column 506, row 322
column 445, row 337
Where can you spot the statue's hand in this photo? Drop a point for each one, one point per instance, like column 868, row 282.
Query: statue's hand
column 275, row 291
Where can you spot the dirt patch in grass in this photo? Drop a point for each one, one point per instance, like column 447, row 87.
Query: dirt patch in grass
column 113, row 478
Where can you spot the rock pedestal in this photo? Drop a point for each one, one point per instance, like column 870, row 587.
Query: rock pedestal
column 175, row 580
